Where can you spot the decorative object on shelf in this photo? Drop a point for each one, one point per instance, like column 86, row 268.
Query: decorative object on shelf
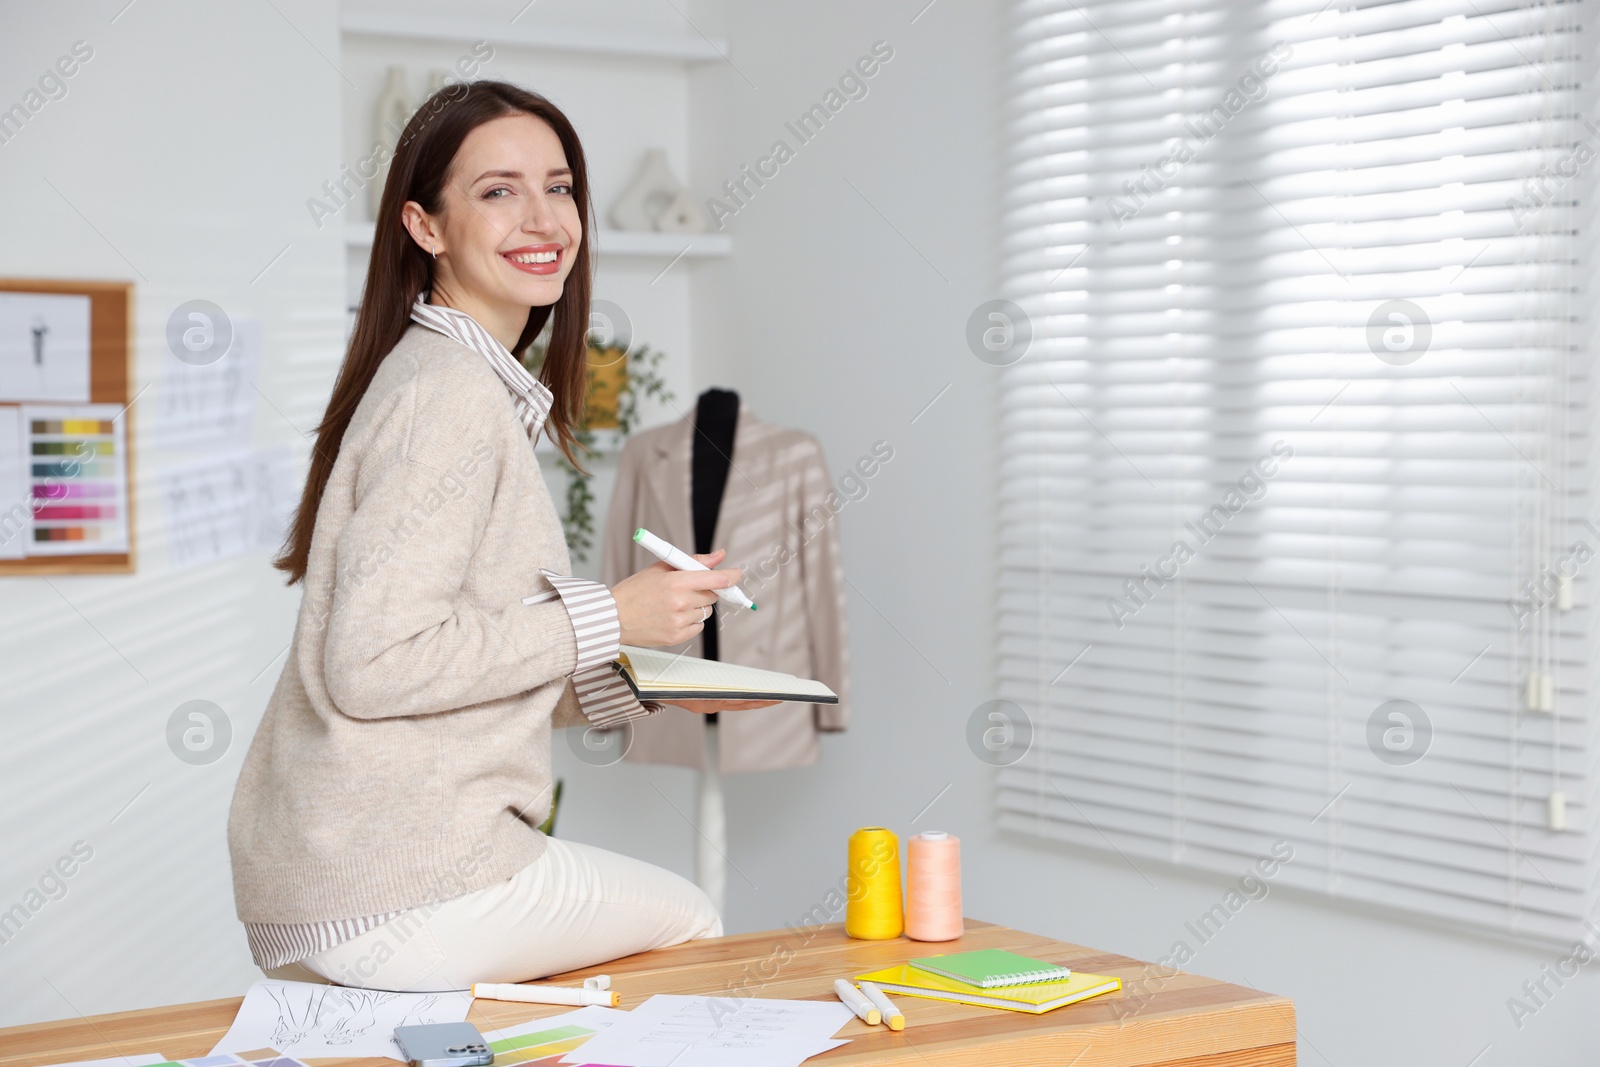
column 388, row 122
column 620, row 372
column 608, row 377
column 657, row 200
column 683, row 215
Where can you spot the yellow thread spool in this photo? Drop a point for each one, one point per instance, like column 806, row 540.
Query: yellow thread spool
column 874, row 910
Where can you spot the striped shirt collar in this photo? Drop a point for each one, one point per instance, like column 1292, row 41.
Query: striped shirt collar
column 532, row 397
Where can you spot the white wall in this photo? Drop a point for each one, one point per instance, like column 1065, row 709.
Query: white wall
column 828, row 317
column 183, row 153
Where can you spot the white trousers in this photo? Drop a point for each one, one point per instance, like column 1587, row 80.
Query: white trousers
column 574, row 906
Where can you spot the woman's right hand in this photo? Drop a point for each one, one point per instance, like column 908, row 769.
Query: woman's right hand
column 661, row 605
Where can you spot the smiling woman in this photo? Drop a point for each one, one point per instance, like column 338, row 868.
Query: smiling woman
column 384, row 828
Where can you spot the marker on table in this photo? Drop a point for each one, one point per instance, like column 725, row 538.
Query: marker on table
column 891, row 1014
column 673, row 556
column 856, row 1002
column 595, row 991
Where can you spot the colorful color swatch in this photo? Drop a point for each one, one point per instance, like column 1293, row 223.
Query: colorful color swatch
column 77, row 471
column 543, row 1042
column 557, row 1041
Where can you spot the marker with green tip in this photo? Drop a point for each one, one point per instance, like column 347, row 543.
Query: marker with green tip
column 674, row 556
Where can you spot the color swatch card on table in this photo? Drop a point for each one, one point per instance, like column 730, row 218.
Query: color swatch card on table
column 1035, row 998
column 991, row 967
column 77, row 459
column 542, row 1042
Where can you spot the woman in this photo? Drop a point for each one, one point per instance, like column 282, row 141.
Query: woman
column 383, row 827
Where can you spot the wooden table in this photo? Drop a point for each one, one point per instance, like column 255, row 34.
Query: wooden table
column 1158, row 1018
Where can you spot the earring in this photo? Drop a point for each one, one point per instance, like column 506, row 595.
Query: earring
column 435, row 252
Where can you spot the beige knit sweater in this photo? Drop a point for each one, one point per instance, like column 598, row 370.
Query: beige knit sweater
column 404, row 755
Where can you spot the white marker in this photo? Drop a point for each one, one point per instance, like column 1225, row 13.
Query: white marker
column 673, row 556
column 891, row 1014
column 857, row 1003
column 545, row 994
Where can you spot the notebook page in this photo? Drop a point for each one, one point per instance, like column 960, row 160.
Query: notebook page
column 656, row 669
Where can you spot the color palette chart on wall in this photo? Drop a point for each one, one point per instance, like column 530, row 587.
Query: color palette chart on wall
column 77, row 472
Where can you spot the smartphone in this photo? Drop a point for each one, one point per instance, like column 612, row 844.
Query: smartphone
column 443, row 1045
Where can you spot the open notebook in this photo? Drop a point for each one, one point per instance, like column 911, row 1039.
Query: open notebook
column 653, row 674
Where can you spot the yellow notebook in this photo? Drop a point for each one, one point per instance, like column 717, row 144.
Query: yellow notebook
column 1034, row 997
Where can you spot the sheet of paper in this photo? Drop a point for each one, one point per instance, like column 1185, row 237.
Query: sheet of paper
column 301, row 1019
column 16, row 508
column 44, row 347
column 228, row 505
column 692, row 1031
column 211, row 407
column 77, row 458
column 542, row 1042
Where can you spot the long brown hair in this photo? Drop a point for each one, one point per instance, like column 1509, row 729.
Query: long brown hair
column 399, row 270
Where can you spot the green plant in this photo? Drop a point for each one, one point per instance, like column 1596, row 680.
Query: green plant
column 642, row 380
column 548, row 827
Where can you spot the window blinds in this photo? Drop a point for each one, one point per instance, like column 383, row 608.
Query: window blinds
column 1294, row 491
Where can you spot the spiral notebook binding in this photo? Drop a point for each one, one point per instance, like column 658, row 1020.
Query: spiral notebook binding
column 1024, row 977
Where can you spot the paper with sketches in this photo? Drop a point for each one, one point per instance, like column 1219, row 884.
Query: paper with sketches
column 301, row 1019
column 228, row 505
column 690, row 1031
column 211, row 407
column 44, row 347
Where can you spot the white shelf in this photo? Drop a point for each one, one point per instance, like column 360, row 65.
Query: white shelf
column 609, row 242
column 677, row 48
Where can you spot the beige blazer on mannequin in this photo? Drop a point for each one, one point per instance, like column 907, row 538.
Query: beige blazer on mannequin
column 776, row 524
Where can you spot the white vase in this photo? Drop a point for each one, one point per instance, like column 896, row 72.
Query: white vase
column 654, row 200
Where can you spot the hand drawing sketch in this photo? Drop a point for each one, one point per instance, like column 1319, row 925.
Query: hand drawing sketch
column 301, row 1019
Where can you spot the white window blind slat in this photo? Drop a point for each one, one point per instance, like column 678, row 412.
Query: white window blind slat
column 1209, row 208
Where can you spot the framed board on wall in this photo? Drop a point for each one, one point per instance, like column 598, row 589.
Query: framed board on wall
column 66, row 427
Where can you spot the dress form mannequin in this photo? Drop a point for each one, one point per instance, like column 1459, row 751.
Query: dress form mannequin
column 716, row 418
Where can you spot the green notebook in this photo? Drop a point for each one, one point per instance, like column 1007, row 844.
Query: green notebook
column 990, row 967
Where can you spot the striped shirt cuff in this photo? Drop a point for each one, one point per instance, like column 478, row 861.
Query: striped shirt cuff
column 594, row 619
column 603, row 697
column 606, row 700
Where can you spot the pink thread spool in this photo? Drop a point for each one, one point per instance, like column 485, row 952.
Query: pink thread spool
column 933, row 886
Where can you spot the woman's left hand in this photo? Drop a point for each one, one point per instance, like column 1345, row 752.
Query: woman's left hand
column 706, row 707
